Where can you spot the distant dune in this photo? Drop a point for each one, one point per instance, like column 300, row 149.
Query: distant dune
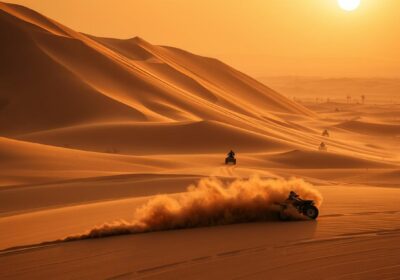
column 370, row 128
column 318, row 160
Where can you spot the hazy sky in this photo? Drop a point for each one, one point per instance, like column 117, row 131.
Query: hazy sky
column 260, row 37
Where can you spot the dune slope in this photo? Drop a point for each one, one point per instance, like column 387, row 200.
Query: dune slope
column 119, row 80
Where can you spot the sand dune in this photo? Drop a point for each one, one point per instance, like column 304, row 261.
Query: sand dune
column 316, row 159
column 122, row 81
column 40, row 90
column 28, row 162
column 114, row 83
column 157, row 138
column 370, row 128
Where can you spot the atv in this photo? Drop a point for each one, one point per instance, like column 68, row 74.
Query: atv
column 304, row 207
column 230, row 160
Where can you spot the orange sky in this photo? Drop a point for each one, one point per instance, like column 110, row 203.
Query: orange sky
column 260, row 37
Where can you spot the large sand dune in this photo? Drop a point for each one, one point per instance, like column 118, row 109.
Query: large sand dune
column 156, row 83
column 156, row 138
column 94, row 128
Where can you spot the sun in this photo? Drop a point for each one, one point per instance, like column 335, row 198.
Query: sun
column 349, row 5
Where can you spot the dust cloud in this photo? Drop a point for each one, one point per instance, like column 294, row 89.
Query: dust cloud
column 210, row 202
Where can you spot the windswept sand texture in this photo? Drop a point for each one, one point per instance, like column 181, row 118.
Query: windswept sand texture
column 103, row 137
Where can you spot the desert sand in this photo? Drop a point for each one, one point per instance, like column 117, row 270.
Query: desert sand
column 93, row 129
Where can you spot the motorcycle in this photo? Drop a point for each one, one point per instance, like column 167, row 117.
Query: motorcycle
column 304, row 207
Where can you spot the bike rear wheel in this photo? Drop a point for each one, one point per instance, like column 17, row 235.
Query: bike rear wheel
column 311, row 212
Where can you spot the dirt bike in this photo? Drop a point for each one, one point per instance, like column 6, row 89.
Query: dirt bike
column 304, row 207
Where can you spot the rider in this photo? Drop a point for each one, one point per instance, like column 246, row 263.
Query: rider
column 293, row 197
column 231, row 154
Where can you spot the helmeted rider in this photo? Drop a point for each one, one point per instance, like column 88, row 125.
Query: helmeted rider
column 231, row 154
column 293, row 197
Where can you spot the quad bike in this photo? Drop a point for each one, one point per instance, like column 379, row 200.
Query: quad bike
column 230, row 160
column 304, row 207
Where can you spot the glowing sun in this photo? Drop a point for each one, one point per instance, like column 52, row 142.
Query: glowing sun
column 349, row 5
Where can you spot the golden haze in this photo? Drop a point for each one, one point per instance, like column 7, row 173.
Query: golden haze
column 103, row 136
column 258, row 37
